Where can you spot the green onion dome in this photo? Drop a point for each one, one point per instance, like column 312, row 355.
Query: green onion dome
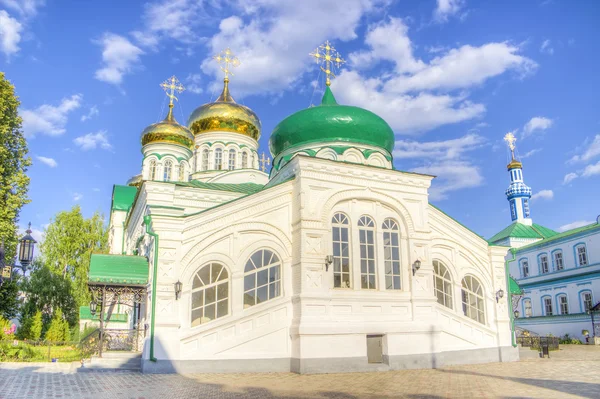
column 168, row 131
column 331, row 122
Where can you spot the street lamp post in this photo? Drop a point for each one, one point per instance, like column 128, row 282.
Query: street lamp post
column 27, row 245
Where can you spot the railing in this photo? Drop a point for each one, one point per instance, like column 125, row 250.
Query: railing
column 123, row 340
column 537, row 342
column 89, row 344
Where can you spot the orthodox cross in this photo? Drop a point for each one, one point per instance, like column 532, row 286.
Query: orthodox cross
column 227, row 59
column 510, row 140
column 327, row 55
column 263, row 162
column 172, row 86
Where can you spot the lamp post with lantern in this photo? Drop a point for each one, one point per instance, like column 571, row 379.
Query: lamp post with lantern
column 26, row 247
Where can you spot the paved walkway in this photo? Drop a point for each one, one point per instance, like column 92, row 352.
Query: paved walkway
column 571, row 373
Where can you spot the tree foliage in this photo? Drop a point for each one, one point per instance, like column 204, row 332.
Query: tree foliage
column 58, row 330
column 9, row 302
column 36, row 326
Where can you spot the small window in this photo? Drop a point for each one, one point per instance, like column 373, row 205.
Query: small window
column 558, row 260
column 167, row 169
column 181, row 172
column 244, row 160
column 547, row 306
column 262, row 278
column 391, row 254
column 587, row 301
column 442, row 284
column 340, row 231
column 527, row 307
column 525, row 268
column 210, row 294
column 472, row 298
column 218, row 159
column 366, row 233
column 513, row 210
column 153, row 170
column 563, row 304
column 582, row 255
column 544, row 268
column 232, row 159
column 204, row 159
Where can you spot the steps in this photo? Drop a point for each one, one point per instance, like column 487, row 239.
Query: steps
column 115, row 361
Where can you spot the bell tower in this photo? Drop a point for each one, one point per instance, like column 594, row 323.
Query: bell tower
column 517, row 193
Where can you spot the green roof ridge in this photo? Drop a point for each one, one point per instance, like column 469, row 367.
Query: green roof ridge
column 558, row 236
column 244, row 188
column 520, row 230
column 328, row 97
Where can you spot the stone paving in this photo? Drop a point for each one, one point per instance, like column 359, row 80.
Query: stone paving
column 574, row 372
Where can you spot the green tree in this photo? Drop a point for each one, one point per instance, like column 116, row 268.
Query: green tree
column 56, row 330
column 9, row 302
column 36, row 326
column 68, row 244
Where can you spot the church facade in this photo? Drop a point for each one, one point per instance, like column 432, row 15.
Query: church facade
column 332, row 262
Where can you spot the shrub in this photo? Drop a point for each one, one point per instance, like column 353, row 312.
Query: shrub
column 56, row 331
column 567, row 340
column 36, row 326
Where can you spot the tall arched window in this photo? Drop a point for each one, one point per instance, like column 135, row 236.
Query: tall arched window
column 244, row 159
column 442, row 284
column 181, row 173
column 232, row 159
column 391, row 254
column 586, row 301
column 366, row 234
column 472, row 299
column 210, row 294
column 204, row 159
column 563, row 304
column 262, row 278
column 153, row 170
column 218, row 159
column 581, row 255
column 340, row 231
column 167, row 168
column 527, row 307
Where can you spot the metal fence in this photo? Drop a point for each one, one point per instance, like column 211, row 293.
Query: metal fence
column 537, row 342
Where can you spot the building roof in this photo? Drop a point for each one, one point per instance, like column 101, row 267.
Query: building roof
column 118, row 269
column 513, row 287
column 86, row 314
column 564, row 234
column 243, row 188
column 123, row 197
column 520, row 230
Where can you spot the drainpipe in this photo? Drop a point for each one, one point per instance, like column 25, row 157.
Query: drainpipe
column 123, row 252
column 511, row 313
column 147, row 221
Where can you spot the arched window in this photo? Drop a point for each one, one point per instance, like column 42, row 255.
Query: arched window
column 472, row 299
column 218, row 159
column 204, row 159
column 547, row 306
column 366, row 234
column 153, row 170
column 543, row 261
column 341, row 251
column 557, row 259
column 168, row 167
column 262, row 278
column 586, row 301
column 181, row 173
column 524, row 268
column 581, row 255
column 210, row 294
column 232, row 156
column 244, row 159
column 563, row 304
column 442, row 284
column 528, row 310
column 391, row 254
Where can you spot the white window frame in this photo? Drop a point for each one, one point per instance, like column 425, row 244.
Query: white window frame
column 547, row 307
column 562, row 302
column 368, row 261
column 244, row 160
column 559, row 260
column 341, row 278
column 214, row 283
column 587, row 305
column 205, row 159
column 232, row 159
column 442, row 284
column 525, row 268
column 262, row 273
column 544, row 264
column 219, row 159
column 527, row 307
column 153, row 167
column 473, row 299
column 391, row 254
column 167, row 170
column 581, row 256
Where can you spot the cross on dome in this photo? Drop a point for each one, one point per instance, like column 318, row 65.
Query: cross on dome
column 227, row 59
column 327, row 55
column 510, row 140
column 172, row 86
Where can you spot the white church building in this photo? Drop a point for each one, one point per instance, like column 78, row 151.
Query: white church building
column 334, row 261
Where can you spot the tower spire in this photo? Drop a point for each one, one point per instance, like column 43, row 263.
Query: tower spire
column 518, row 194
column 172, row 86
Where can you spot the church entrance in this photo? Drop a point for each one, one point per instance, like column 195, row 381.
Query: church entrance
column 375, row 348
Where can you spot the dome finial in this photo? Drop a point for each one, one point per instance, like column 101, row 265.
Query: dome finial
column 226, row 59
column 510, row 140
column 327, row 55
column 171, row 86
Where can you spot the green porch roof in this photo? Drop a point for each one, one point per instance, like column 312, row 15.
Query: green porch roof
column 118, row 269
column 243, row 188
column 514, row 287
column 86, row 314
column 123, row 197
column 519, row 230
column 564, row 234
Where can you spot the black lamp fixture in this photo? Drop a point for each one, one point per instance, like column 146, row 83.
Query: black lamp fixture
column 499, row 295
column 27, row 244
column 178, row 288
column 328, row 261
column 416, row 266
column 93, row 307
column 517, row 314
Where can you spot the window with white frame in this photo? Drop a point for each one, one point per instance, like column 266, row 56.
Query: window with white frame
column 366, row 234
column 525, row 268
column 340, row 230
column 181, row 172
column 153, row 170
column 544, row 267
column 232, row 158
column 547, row 301
column 244, row 160
column 167, row 169
column 262, row 278
column 527, row 307
column 218, row 159
column 558, row 260
column 391, row 254
column 210, row 294
column 204, row 159
column 582, row 255
column 472, row 299
column 563, row 304
column 442, row 284
column 586, row 300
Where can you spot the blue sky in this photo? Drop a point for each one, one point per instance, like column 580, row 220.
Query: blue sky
column 451, row 78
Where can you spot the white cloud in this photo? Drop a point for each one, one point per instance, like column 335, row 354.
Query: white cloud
column 543, row 194
column 536, row 123
column 569, row 177
column 77, row 196
column 451, row 176
column 91, row 113
column 193, row 83
column 574, row 225
column 447, row 8
column 588, row 150
column 49, row 119
column 48, row 161
column 591, row 170
column 530, row 153
column 96, row 189
column 10, row 34
column 448, row 149
column 119, row 56
column 546, row 47
column 38, row 235
column 27, row 8
column 93, row 140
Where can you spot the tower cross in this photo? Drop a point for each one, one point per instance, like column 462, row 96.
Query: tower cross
column 264, row 161
column 172, row 86
column 328, row 56
column 227, row 59
column 510, row 140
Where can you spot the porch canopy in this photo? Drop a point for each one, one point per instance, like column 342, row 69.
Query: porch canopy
column 118, row 278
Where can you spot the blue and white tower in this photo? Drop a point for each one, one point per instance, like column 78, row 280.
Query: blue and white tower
column 518, row 194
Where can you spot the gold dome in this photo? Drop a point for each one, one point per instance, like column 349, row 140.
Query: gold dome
column 225, row 115
column 514, row 164
column 135, row 181
column 168, row 131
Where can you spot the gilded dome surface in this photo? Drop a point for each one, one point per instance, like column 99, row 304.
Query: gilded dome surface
column 331, row 122
column 225, row 115
column 168, row 131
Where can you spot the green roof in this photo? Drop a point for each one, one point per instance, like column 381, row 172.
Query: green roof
column 86, row 314
column 123, row 197
column 520, row 230
column 514, row 287
column 564, row 234
column 331, row 122
column 118, row 269
column 243, row 188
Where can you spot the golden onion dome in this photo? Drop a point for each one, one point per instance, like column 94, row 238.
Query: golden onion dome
column 168, row 131
column 514, row 164
column 135, row 181
column 225, row 115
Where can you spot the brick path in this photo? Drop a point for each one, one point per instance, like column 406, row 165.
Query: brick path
column 571, row 373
